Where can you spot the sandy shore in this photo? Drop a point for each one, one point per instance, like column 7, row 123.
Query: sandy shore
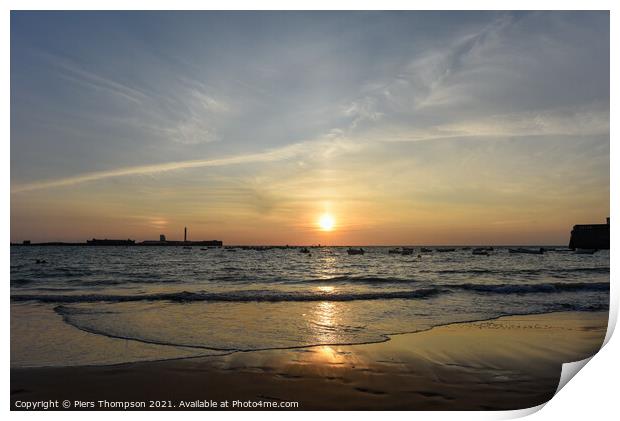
column 507, row 363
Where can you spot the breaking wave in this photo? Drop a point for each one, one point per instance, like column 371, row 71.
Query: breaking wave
column 234, row 296
column 281, row 296
column 524, row 271
column 534, row 288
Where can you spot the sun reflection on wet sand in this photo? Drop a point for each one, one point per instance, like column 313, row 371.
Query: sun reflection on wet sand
column 330, row 355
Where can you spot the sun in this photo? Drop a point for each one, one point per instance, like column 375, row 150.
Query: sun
column 327, row 222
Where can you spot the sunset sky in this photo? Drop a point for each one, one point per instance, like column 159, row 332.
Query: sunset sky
column 314, row 127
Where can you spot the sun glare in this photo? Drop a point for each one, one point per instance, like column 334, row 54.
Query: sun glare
column 327, row 222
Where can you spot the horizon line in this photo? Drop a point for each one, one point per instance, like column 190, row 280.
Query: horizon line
column 189, row 242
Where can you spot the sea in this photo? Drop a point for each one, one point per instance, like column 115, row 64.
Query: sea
column 92, row 305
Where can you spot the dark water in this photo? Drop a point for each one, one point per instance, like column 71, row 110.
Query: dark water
column 133, row 303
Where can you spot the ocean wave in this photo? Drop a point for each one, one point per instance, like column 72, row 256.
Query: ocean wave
column 523, row 271
column 533, row 288
column 127, row 281
column 370, row 279
column 110, row 279
column 234, row 296
column 361, row 280
column 582, row 307
column 21, row 281
column 283, row 296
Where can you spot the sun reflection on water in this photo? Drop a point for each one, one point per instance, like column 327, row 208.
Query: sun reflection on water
column 324, row 322
column 326, row 331
column 328, row 266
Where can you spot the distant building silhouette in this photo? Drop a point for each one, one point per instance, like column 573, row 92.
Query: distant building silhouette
column 592, row 236
column 112, row 242
column 163, row 242
column 106, row 242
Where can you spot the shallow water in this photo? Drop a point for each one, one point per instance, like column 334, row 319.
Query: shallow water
column 174, row 302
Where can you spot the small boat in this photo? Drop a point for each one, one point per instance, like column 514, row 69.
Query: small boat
column 407, row 251
column 304, row 250
column 585, row 251
column 425, row 250
column 480, row 252
column 355, row 251
column 527, row 251
column 443, row 250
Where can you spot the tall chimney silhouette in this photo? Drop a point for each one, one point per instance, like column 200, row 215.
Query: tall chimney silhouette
column 185, row 235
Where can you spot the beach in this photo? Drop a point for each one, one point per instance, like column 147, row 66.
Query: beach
column 510, row 362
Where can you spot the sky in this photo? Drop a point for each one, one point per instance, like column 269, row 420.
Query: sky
column 249, row 127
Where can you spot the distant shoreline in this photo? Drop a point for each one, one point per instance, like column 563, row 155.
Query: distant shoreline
column 290, row 246
column 128, row 243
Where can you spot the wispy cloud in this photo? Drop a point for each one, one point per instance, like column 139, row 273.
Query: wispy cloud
column 269, row 156
column 76, row 73
column 363, row 110
column 589, row 120
column 185, row 112
column 325, row 147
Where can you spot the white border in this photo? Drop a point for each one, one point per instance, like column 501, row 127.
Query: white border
column 591, row 394
column 310, row 5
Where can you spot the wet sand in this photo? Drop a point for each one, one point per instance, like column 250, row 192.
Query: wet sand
column 511, row 362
